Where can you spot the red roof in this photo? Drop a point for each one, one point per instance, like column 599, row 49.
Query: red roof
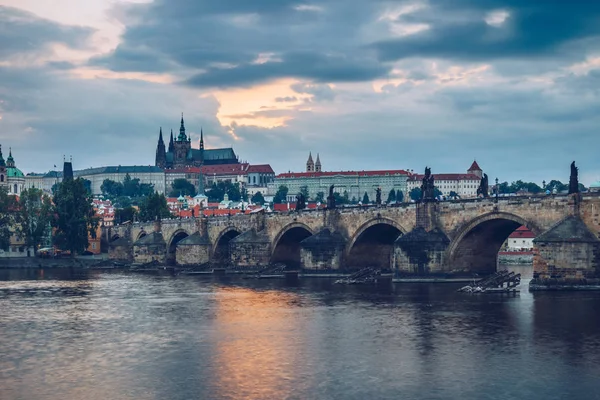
column 446, row 177
column 185, row 170
column 474, row 167
column 261, row 168
column 346, row 173
column 225, row 169
column 522, row 233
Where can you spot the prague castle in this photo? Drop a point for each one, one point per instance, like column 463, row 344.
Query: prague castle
column 180, row 153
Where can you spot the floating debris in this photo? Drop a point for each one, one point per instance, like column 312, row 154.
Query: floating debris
column 500, row 282
column 365, row 275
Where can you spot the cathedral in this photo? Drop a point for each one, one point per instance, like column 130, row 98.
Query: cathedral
column 180, row 153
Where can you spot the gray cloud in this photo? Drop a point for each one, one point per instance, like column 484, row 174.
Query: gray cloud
column 24, row 32
column 458, row 30
column 286, row 99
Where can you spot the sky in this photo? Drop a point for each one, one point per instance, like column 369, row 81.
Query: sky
column 513, row 84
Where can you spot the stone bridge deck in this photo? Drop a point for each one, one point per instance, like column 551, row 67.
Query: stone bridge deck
column 414, row 238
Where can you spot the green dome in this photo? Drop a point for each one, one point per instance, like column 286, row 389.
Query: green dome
column 595, row 185
column 14, row 173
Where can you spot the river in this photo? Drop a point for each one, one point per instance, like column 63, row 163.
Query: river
column 116, row 335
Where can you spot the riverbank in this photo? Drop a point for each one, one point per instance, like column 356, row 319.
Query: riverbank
column 36, row 262
column 563, row 284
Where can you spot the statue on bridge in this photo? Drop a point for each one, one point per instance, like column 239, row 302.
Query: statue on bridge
column 428, row 186
column 483, row 187
column 331, row 198
column 378, row 196
column 574, row 180
column 300, row 202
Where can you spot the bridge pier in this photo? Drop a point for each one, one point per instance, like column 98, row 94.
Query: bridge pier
column 420, row 252
column 323, row 250
column 193, row 250
column 251, row 249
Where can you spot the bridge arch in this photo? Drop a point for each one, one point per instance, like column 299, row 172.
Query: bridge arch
column 476, row 244
column 372, row 244
column 220, row 248
column 175, row 238
column 286, row 246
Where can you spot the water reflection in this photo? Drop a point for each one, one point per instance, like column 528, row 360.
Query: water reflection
column 122, row 336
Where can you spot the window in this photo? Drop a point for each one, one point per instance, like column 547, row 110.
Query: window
column 93, row 246
column 1, row 178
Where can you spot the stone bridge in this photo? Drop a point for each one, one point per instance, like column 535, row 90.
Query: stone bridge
column 463, row 235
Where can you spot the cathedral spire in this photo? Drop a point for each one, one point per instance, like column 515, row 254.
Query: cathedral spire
column 171, row 141
column 160, row 137
column 201, row 139
column 10, row 161
column 310, row 164
column 182, row 136
column 318, row 164
column 2, row 163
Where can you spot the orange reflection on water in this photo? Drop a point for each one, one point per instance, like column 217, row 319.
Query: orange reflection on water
column 259, row 337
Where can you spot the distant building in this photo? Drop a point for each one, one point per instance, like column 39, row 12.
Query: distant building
column 146, row 174
column 11, row 177
column 354, row 183
column 180, row 154
column 595, row 187
column 465, row 185
column 520, row 240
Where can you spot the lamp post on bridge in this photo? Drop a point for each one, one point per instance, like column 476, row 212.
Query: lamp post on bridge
column 497, row 190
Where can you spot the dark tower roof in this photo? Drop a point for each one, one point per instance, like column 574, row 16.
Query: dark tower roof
column 182, row 136
column 160, row 137
column 201, row 139
column 10, row 161
column 171, row 141
column 2, row 163
column 318, row 160
column 67, row 170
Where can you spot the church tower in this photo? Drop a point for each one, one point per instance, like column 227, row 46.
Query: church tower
column 171, row 142
column 181, row 148
column 475, row 170
column 318, row 164
column 3, row 178
column 161, row 152
column 310, row 164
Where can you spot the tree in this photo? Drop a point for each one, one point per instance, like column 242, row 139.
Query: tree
column 233, row 191
column 304, row 192
column 399, row 196
column 88, row 185
column 320, row 197
column 281, row 194
column 391, row 196
column 437, row 192
column 365, row 199
column 111, row 188
column 258, row 198
column 353, row 201
column 74, row 216
column 182, row 187
column 8, row 208
column 454, row 195
column 124, row 214
column 35, row 214
column 415, row 194
column 154, row 207
column 557, row 186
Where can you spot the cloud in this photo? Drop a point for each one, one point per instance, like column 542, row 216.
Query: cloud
column 319, row 92
column 286, row 99
column 494, row 29
column 23, row 32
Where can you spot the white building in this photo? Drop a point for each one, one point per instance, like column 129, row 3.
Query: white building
column 465, row 185
column 146, row 174
column 520, row 240
column 354, row 183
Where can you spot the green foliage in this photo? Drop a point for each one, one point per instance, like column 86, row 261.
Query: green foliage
column 258, row 198
column 74, row 216
column 88, row 185
column 415, row 194
column 353, row 201
column 454, row 195
column 154, row 207
column 34, row 216
column 130, row 188
column 281, row 194
column 391, row 196
column 304, row 191
column 320, row 197
column 365, row 199
column 182, row 187
column 341, row 199
column 122, row 202
column 124, row 214
column 8, row 217
column 437, row 192
column 556, row 185
column 582, row 188
column 217, row 191
column 399, row 196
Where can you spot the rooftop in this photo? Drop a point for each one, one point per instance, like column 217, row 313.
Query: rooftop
column 446, row 177
column 391, row 172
